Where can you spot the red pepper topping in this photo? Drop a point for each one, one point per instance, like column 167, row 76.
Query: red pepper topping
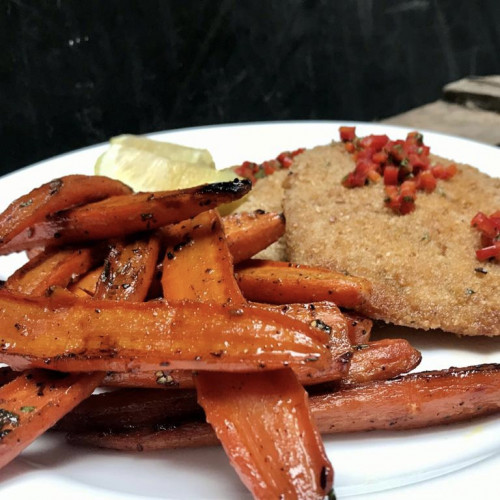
column 403, row 164
column 489, row 226
column 255, row 171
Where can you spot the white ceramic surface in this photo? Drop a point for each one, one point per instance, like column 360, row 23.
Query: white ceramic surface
column 456, row 461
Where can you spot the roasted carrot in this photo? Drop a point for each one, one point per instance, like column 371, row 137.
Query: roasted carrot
column 411, row 401
column 376, row 360
column 284, row 283
column 381, row 360
column 119, row 216
column 128, row 269
column 7, row 374
column 359, row 327
column 186, row 435
column 44, row 332
column 294, row 464
column 137, row 274
column 53, row 268
column 250, row 232
column 159, row 379
column 324, row 315
column 291, row 461
column 56, row 195
column 124, row 409
column 86, row 286
column 33, row 402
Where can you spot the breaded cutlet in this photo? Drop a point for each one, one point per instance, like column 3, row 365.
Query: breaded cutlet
column 422, row 265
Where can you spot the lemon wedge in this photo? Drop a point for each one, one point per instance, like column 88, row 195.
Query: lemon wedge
column 148, row 165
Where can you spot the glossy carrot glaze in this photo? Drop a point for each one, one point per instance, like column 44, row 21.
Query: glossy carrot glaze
column 284, row 283
column 52, row 197
column 119, row 216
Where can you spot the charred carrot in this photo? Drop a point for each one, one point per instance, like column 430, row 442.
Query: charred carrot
column 33, row 402
column 125, row 409
column 119, row 216
column 294, row 463
column 411, row 401
column 284, row 283
column 53, row 268
column 128, row 269
column 54, row 196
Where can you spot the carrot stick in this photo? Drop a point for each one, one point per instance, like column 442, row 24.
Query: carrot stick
column 284, row 283
column 124, row 409
column 56, row 195
column 381, row 360
column 249, row 233
column 411, row 401
column 186, row 435
column 263, row 423
column 359, row 327
column 33, row 402
column 119, row 216
column 53, row 268
column 128, row 270
column 41, row 332
column 86, row 286
column 72, row 390
column 323, row 314
column 274, row 400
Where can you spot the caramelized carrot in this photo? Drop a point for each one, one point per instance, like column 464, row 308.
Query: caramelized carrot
column 54, row 196
column 159, row 379
column 232, row 402
column 263, row 422
column 359, row 327
column 75, row 388
column 250, row 232
column 284, row 283
column 125, row 409
column 411, row 401
column 407, row 402
column 128, row 270
column 119, row 216
column 86, row 286
column 33, row 402
column 186, row 435
column 53, row 268
column 381, row 360
column 41, row 332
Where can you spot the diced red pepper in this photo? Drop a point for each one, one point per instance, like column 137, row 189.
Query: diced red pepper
column 347, row 133
column 380, row 157
column 426, row 181
column 485, row 224
column 444, row 171
column 391, row 175
column 404, row 165
column 376, row 142
column 491, row 252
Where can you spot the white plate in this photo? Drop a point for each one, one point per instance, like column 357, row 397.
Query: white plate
column 454, row 461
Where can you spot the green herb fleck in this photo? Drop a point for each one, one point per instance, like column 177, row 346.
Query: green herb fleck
column 28, row 409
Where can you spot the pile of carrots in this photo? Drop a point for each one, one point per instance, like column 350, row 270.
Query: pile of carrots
column 158, row 296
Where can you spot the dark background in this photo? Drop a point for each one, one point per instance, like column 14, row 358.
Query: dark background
column 74, row 73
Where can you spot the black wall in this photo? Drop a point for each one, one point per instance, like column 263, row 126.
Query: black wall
column 74, row 73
